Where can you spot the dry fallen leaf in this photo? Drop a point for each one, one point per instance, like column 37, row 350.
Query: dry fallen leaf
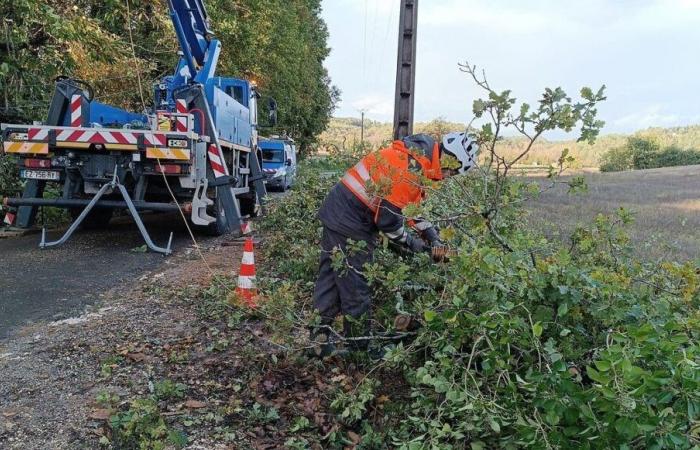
column 195, row 404
column 100, row 414
column 136, row 357
column 354, row 437
column 382, row 399
column 338, row 378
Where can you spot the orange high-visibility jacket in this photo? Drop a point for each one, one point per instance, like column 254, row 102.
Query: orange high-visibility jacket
column 393, row 174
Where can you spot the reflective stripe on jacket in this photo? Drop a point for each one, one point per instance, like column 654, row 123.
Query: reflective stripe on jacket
column 393, row 174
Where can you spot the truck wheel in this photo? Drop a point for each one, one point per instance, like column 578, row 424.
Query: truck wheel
column 248, row 202
column 97, row 219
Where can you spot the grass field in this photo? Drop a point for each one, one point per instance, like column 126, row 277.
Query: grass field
column 665, row 203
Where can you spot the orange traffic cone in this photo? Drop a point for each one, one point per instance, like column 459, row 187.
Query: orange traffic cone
column 246, row 290
column 246, row 228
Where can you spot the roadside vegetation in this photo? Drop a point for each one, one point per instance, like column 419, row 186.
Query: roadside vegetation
column 519, row 341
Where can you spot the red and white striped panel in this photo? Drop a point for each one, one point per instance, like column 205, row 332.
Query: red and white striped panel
column 181, row 122
column 76, row 111
column 97, row 136
column 216, row 161
column 9, row 218
column 155, row 139
column 38, row 134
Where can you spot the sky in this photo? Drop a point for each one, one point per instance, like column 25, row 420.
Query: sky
column 645, row 51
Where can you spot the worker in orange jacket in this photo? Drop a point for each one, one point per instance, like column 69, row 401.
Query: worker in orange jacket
column 369, row 199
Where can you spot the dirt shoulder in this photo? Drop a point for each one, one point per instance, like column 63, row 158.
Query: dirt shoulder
column 164, row 364
column 62, row 381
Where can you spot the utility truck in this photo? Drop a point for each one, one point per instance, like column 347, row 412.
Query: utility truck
column 279, row 162
column 195, row 150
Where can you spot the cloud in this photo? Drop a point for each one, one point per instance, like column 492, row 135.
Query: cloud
column 493, row 16
column 653, row 115
column 377, row 105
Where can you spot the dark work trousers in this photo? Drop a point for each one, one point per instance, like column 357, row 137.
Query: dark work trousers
column 345, row 291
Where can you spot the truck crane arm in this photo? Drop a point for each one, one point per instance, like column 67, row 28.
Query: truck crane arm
column 200, row 50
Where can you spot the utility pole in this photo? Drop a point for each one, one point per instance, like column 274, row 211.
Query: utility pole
column 362, row 129
column 406, row 69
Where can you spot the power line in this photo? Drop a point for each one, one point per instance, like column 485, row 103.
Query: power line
column 389, row 23
column 133, row 52
column 372, row 40
column 364, row 50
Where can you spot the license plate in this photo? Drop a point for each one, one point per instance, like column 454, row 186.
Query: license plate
column 51, row 175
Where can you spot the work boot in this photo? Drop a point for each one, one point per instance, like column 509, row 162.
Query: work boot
column 350, row 331
column 324, row 342
column 376, row 352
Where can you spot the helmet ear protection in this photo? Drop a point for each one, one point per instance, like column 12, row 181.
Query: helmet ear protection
column 463, row 148
column 428, row 152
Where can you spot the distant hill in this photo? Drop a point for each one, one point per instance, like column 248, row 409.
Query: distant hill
column 343, row 130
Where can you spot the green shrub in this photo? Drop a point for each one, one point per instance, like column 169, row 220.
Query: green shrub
column 9, row 179
column 586, row 348
column 646, row 153
column 524, row 342
column 674, row 156
column 616, row 160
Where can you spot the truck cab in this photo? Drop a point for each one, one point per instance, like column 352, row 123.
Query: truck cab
column 279, row 162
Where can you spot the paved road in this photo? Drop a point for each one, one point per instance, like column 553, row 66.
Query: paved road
column 57, row 283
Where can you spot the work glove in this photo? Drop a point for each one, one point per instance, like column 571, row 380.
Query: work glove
column 431, row 235
column 416, row 245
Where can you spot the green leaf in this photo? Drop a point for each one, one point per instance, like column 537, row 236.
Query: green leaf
column 603, row 365
column 537, row 329
column 429, row 315
column 597, row 376
column 562, row 309
column 626, row 427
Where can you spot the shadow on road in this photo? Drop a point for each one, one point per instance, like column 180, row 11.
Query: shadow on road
column 58, row 282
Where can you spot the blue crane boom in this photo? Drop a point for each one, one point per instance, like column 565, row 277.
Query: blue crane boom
column 200, row 50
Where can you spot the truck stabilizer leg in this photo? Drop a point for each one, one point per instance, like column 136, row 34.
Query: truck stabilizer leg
column 195, row 95
column 132, row 210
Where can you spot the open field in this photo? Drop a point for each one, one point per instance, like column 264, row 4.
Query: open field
column 665, row 203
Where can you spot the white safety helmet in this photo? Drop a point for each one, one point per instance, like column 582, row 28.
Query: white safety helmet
column 462, row 146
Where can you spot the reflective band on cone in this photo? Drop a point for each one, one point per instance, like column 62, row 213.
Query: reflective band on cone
column 246, row 290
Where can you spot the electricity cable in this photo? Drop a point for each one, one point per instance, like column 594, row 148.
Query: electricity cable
column 133, row 52
column 184, row 219
column 364, row 50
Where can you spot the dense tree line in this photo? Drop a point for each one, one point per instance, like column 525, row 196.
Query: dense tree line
column 280, row 44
